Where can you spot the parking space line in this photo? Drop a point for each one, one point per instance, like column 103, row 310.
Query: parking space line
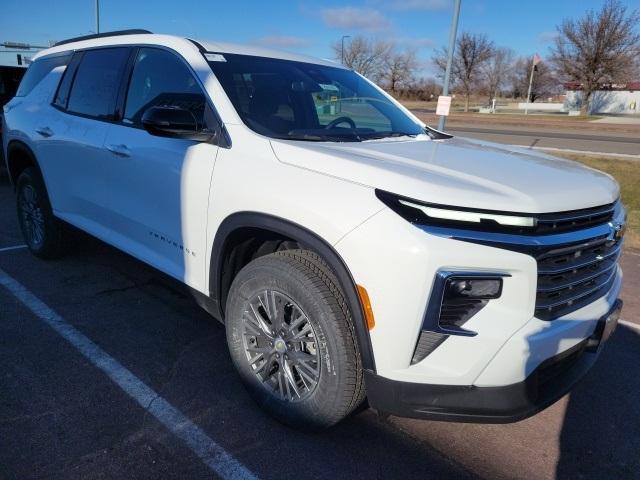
column 15, row 247
column 212, row 454
column 629, row 324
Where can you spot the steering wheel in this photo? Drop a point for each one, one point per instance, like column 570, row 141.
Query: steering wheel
column 338, row 121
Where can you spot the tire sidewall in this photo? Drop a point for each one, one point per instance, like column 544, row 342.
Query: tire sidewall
column 276, row 275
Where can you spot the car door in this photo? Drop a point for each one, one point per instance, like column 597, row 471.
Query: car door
column 73, row 157
column 161, row 185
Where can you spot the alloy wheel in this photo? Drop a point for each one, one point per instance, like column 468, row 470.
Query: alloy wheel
column 32, row 216
column 280, row 345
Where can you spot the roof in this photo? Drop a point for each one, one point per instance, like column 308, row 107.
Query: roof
column 122, row 38
column 258, row 51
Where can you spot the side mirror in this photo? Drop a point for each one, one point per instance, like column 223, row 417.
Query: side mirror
column 173, row 122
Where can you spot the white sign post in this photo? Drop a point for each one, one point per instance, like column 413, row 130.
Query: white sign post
column 444, row 105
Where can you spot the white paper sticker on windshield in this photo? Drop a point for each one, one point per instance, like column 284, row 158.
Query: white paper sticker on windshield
column 215, row 57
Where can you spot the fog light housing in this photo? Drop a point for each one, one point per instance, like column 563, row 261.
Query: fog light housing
column 473, row 288
column 455, row 298
column 464, row 297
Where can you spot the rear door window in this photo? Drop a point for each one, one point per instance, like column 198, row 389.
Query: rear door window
column 95, row 87
column 38, row 70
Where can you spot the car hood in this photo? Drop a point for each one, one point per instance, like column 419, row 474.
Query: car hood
column 458, row 172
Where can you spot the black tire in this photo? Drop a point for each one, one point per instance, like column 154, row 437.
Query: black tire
column 46, row 239
column 305, row 279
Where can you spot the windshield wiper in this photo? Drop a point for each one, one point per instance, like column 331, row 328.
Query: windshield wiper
column 378, row 135
column 313, row 137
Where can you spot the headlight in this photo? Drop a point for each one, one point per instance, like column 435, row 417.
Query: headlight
column 460, row 217
column 471, row 216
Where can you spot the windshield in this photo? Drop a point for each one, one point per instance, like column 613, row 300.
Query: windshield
column 305, row 101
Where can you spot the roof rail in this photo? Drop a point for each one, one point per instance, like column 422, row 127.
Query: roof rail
column 135, row 31
column 198, row 44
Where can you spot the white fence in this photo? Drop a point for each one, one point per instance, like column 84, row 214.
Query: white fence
column 547, row 107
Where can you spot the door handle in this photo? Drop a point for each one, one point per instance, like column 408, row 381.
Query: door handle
column 120, row 150
column 44, row 131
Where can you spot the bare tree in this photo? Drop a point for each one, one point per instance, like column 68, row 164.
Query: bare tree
column 600, row 47
column 365, row 56
column 544, row 80
column 472, row 53
column 497, row 70
column 399, row 69
column 427, row 89
column 419, row 89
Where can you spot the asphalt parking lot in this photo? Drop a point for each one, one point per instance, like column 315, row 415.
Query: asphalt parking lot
column 62, row 415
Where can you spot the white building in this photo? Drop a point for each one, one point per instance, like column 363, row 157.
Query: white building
column 613, row 98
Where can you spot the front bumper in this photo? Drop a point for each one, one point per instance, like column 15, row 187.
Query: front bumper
column 551, row 380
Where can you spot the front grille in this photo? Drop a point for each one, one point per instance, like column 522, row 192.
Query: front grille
column 573, row 220
column 570, row 277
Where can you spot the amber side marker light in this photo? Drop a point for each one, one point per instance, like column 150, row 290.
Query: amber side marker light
column 366, row 307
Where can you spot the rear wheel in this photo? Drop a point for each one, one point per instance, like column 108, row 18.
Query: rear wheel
column 291, row 338
column 41, row 230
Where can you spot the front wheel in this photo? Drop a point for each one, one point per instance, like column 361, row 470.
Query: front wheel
column 291, row 338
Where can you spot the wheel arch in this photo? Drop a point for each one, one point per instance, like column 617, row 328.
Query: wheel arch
column 227, row 237
column 19, row 157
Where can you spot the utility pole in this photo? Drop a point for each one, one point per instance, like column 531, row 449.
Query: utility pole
column 452, row 45
column 526, row 105
column 341, row 47
column 97, row 16
column 536, row 61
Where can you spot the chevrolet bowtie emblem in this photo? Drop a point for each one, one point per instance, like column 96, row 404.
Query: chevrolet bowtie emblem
column 617, row 231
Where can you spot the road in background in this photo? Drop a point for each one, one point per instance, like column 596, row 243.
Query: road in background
column 627, row 144
column 61, row 417
column 605, row 135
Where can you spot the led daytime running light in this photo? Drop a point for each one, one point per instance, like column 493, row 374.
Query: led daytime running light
column 476, row 217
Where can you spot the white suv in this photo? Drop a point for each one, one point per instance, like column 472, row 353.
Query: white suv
column 351, row 251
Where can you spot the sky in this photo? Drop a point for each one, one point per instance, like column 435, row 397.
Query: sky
column 300, row 25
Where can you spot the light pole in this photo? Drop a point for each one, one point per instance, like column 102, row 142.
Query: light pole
column 452, row 46
column 341, row 47
column 97, row 16
column 536, row 61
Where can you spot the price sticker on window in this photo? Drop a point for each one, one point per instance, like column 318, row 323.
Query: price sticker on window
column 215, row 57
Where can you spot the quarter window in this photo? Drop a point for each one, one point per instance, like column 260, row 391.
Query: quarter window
column 38, row 70
column 96, row 82
column 160, row 78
